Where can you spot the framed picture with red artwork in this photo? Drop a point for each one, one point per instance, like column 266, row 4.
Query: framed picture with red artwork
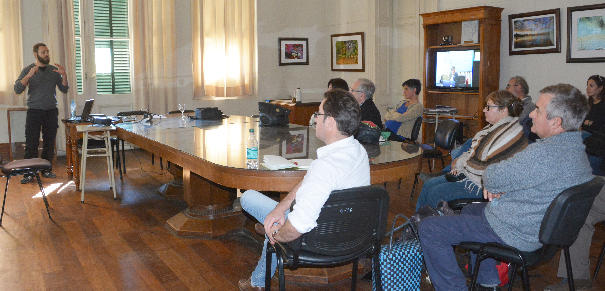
column 293, row 51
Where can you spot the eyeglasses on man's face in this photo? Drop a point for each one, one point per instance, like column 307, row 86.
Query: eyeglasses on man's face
column 509, row 85
column 315, row 115
column 353, row 90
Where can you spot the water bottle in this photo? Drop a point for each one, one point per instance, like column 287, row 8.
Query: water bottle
column 73, row 109
column 297, row 96
column 252, row 151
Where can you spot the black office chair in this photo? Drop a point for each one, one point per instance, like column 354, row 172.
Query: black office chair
column 25, row 167
column 351, row 225
column 415, row 131
column 560, row 228
column 178, row 111
column 445, row 138
column 413, row 139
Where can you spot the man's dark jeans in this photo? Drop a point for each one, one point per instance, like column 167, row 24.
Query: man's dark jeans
column 47, row 121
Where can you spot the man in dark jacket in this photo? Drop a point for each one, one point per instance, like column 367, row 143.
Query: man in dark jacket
column 42, row 112
column 363, row 91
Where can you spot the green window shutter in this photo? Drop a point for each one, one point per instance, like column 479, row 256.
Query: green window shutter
column 79, row 64
column 78, row 46
column 112, row 39
column 112, row 46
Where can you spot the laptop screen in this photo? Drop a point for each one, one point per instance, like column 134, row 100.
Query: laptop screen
column 87, row 109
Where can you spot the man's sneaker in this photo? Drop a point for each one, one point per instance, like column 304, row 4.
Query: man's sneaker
column 579, row 284
column 26, row 179
column 49, row 174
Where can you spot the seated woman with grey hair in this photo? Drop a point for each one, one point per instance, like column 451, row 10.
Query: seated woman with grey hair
column 498, row 141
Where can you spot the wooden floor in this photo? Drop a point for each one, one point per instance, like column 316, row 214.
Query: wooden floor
column 106, row 244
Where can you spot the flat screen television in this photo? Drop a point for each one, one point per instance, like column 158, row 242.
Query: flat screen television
column 457, row 70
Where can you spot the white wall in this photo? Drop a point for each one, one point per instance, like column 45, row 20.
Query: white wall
column 393, row 41
column 540, row 70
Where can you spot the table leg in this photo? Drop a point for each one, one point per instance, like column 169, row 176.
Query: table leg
column 210, row 212
column 75, row 157
column 68, row 152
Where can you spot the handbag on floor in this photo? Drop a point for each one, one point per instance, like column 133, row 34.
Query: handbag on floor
column 400, row 261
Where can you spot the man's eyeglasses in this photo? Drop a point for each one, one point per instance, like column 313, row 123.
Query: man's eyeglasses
column 490, row 106
column 509, row 85
column 314, row 120
column 355, row 90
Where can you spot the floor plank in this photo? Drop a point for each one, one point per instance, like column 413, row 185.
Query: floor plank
column 123, row 244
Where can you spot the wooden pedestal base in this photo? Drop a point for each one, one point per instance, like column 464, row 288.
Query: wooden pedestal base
column 171, row 190
column 174, row 189
column 185, row 225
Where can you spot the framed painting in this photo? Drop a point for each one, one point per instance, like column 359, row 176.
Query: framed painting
column 586, row 34
column 535, row 32
column 293, row 51
column 348, row 52
column 296, row 144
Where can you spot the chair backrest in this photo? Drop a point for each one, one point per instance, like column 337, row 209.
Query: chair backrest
column 416, row 129
column 178, row 111
column 446, row 133
column 567, row 213
column 350, row 221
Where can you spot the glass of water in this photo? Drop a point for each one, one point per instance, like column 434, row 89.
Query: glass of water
column 182, row 109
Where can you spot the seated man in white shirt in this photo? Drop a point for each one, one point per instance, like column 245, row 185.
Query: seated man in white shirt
column 342, row 163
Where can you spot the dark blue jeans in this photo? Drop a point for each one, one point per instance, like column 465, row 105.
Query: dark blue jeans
column 437, row 236
column 595, row 162
column 459, row 151
column 48, row 122
column 438, row 188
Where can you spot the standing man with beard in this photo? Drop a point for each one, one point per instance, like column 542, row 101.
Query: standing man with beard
column 42, row 111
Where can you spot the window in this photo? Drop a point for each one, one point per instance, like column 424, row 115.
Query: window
column 108, row 46
column 223, row 47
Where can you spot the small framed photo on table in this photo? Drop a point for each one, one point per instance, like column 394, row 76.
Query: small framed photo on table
column 296, row 144
column 348, row 52
column 586, row 34
column 534, row 33
column 293, row 51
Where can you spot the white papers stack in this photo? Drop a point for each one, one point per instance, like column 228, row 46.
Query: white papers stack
column 277, row 163
column 302, row 163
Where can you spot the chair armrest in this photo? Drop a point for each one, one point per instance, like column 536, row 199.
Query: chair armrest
column 458, row 204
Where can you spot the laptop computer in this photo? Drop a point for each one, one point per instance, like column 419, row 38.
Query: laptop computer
column 85, row 117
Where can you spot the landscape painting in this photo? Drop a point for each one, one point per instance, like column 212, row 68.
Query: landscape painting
column 348, row 52
column 535, row 32
column 586, row 34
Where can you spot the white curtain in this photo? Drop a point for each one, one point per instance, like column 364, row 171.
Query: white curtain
column 223, row 47
column 154, row 55
column 59, row 37
column 10, row 52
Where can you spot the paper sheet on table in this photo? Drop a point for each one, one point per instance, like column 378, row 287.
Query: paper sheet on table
column 276, row 162
column 302, row 163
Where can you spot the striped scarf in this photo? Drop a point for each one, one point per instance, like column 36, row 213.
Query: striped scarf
column 495, row 143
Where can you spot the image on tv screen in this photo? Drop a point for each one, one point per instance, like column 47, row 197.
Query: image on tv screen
column 455, row 68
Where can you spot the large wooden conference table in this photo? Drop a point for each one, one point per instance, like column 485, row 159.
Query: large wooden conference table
column 212, row 156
